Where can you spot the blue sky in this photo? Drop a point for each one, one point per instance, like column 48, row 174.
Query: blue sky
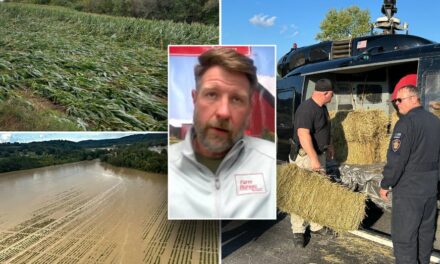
column 284, row 22
column 24, row 137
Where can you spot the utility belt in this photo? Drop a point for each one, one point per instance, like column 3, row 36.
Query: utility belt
column 296, row 149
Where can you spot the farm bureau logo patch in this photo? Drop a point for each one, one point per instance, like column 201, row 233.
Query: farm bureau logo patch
column 250, row 183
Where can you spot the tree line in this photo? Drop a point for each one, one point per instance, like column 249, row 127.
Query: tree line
column 138, row 156
column 189, row 11
column 19, row 156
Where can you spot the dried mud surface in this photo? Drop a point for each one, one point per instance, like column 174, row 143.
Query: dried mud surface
column 90, row 212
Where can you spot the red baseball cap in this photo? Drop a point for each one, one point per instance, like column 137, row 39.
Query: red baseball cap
column 410, row 79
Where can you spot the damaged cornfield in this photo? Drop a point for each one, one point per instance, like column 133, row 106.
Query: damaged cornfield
column 66, row 70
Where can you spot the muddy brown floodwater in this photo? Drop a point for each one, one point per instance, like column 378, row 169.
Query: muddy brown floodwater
column 91, row 212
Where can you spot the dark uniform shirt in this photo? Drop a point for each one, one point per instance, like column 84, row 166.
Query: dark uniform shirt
column 412, row 167
column 315, row 118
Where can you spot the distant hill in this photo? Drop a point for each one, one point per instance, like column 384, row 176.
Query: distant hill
column 130, row 151
column 155, row 139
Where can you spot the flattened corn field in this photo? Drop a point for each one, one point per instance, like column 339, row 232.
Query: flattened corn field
column 66, row 70
column 89, row 212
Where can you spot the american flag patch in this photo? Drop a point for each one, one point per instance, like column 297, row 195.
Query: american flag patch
column 361, row 44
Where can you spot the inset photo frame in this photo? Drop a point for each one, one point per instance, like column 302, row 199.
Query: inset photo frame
column 222, row 155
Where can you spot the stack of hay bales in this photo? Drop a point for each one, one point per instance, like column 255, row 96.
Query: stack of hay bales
column 435, row 108
column 385, row 141
column 316, row 199
column 361, row 137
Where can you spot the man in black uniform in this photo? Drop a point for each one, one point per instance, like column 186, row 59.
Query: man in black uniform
column 412, row 173
column 312, row 134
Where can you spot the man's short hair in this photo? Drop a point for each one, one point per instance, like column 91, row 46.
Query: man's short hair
column 412, row 89
column 230, row 60
column 323, row 85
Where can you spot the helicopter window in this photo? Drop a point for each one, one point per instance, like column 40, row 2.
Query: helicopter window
column 285, row 108
column 318, row 54
column 297, row 60
column 432, row 92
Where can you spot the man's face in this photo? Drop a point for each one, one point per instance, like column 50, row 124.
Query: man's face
column 222, row 105
column 406, row 101
column 328, row 96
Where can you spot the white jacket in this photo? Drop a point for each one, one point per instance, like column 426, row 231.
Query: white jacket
column 244, row 186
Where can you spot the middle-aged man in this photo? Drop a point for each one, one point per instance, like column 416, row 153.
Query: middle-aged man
column 217, row 172
column 312, row 134
column 412, row 173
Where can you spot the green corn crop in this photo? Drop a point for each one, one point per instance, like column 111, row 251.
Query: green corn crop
column 100, row 72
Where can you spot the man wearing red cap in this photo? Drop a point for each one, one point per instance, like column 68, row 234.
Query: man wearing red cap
column 410, row 79
column 412, row 173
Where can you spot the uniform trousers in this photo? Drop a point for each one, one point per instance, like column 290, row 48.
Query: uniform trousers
column 413, row 228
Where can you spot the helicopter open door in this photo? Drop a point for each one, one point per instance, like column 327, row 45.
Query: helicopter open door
column 364, row 87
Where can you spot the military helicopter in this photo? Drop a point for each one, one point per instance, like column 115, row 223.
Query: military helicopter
column 364, row 71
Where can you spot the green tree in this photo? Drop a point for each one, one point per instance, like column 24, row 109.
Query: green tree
column 343, row 24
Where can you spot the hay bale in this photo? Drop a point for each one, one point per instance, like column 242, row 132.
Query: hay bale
column 315, row 198
column 358, row 135
column 368, row 152
column 384, row 144
column 394, row 119
column 434, row 107
column 363, row 153
column 362, row 126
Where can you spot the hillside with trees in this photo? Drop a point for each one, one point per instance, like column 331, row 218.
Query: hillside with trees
column 138, row 156
column 132, row 152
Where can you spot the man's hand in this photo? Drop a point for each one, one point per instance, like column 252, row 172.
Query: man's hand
column 315, row 165
column 384, row 194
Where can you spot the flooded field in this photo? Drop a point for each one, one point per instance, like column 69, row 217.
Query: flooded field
column 90, row 212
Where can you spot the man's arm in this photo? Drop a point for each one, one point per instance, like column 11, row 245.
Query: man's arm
column 305, row 140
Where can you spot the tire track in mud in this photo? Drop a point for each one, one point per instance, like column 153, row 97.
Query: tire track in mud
column 194, row 242
column 16, row 247
column 80, row 242
column 209, row 242
column 94, row 234
column 180, row 241
column 30, row 226
column 158, row 234
column 184, row 244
